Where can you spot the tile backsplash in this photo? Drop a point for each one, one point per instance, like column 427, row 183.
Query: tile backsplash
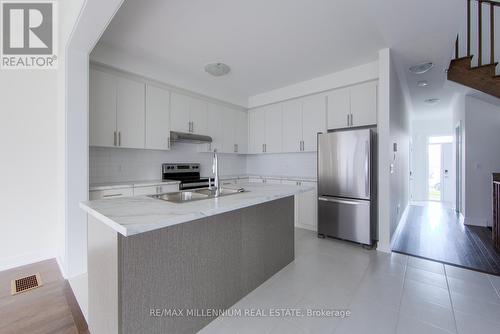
column 120, row 164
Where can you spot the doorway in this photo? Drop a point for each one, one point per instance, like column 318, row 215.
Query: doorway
column 439, row 167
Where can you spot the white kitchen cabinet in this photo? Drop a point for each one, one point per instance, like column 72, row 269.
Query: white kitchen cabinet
column 198, row 116
column 292, row 126
column 145, row 191
column 130, row 113
column 313, row 121
column 241, row 131
column 157, row 118
column 353, row 106
column 228, row 126
column 257, row 125
column 273, row 125
column 179, row 112
column 102, row 118
column 339, row 108
column 307, row 216
column 364, row 104
column 188, row 114
column 167, row 188
column 110, row 193
column 214, row 129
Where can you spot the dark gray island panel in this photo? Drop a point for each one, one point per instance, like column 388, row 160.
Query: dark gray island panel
column 208, row 263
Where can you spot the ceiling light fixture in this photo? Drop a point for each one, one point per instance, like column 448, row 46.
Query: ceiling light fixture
column 422, row 83
column 217, row 69
column 421, row 68
column 432, row 101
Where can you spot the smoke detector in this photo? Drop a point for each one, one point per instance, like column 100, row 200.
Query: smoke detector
column 421, row 68
column 217, row 69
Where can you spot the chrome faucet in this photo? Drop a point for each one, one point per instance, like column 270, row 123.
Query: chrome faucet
column 215, row 170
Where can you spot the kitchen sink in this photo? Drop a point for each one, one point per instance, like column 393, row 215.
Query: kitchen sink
column 195, row 195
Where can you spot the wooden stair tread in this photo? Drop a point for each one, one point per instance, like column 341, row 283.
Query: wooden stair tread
column 484, row 66
column 482, row 78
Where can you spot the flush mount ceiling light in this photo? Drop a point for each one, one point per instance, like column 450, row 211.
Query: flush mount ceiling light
column 432, row 101
column 217, row 69
column 421, row 68
column 422, row 83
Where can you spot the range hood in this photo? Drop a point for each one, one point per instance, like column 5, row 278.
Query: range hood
column 183, row 137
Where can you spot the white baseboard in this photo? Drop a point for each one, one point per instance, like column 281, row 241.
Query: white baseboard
column 80, row 286
column 307, row 227
column 25, row 259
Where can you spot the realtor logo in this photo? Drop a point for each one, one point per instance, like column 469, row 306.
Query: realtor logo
column 28, row 35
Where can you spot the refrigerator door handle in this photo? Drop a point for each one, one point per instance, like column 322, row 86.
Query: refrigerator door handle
column 336, row 200
column 367, row 169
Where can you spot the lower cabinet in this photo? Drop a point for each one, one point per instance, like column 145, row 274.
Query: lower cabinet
column 111, row 193
column 306, row 208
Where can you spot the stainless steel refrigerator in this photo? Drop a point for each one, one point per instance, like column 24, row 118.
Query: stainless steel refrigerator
column 347, row 188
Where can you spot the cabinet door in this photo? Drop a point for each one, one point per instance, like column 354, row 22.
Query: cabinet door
column 228, row 125
column 339, row 108
column 292, row 126
column 273, row 128
column 241, row 131
column 168, row 188
column 308, row 208
column 102, row 118
column 364, row 104
column 130, row 113
column 145, row 191
column 111, row 193
column 214, row 128
column 179, row 112
column 198, row 116
column 313, row 121
column 157, row 118
column 258, row 130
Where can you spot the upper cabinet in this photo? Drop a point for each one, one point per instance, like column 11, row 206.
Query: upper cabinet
column 257, row 130
column 188, row 114
column 353, row 106
column 273, row 129
column 214, row 129
column 302, row 120
column 116, row 111
column 157, row 118
column 228, row 129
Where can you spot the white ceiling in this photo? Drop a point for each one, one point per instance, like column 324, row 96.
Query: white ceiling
column 274, row 43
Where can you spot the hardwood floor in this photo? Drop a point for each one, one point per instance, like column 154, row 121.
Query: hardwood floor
column 51, row 308
column 435, row 233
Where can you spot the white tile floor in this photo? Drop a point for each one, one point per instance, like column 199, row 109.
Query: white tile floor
column 386, row 293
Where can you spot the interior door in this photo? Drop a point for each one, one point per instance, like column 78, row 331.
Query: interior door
column 447, row 175
column 344, row 164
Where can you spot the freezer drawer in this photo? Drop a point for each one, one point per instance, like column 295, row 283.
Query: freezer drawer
column 345, row 219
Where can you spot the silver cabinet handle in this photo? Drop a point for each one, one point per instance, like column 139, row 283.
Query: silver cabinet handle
column 168, row 142
column 367, row 169
column 348, row 119
column 237, row 148
column 114, row 138
column 352, row 123
column 119, row 138
column 341, row 201
column 263, row 150
column 192, row 126
column 112, row 195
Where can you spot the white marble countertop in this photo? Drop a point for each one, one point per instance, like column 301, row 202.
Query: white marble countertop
column 134, row 215
column 129, row 184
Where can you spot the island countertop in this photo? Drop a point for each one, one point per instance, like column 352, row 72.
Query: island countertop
column 139, row 214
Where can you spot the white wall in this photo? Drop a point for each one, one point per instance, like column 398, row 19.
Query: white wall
column 350, row 76
column 399, row 131
column 120, row 164
column 421, row 130
column 283, row 164
column 393, row 127
column 141, row 66
column 482, row 136
column 458, row 112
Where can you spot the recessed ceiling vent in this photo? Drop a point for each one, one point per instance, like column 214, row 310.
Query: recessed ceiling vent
column 217, row 69
column 421, row 68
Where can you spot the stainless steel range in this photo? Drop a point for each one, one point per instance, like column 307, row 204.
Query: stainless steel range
column 187, row 173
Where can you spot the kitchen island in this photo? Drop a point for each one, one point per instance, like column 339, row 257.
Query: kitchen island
column 159, row 267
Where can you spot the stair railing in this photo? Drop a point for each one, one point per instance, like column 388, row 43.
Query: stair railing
column 480, row 6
